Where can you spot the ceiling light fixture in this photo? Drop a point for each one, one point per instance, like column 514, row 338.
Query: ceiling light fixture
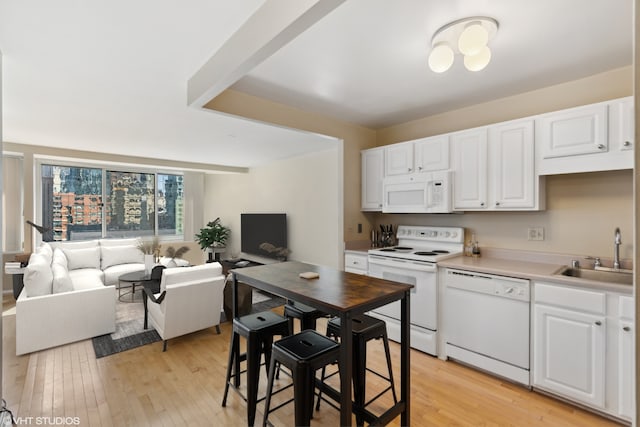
column 469, row 37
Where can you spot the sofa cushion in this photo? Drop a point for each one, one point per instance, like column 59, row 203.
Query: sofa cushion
column 86, row 278
column 61, row 279
column 114, row 255
column 80, row 244
column 172, row 276
column 120, row 242
column 59, row 258
column 83, row 258
column 46, row 250
column 111, row 274
column 38, row 277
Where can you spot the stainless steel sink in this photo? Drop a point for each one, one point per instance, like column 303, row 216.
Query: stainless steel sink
column 617, row 277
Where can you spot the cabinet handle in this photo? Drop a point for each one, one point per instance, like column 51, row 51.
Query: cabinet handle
column 598, row 322
column 600, row 146
column 626, row 328
column 409, row 169
column 482, row 204
column 627, row 143
column 497, row 203
column 419, row 168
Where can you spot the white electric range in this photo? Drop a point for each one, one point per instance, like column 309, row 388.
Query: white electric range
column 414, row 261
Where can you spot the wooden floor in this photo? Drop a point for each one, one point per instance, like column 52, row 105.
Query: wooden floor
column 184, row 387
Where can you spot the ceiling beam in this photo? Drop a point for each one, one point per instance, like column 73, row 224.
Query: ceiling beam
column 272, row 26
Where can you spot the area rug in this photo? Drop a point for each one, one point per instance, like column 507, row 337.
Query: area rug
column 130, row 333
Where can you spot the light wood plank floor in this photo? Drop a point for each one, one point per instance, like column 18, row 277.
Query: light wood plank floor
column 184, row 386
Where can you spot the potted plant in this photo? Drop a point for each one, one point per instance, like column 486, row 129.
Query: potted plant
column 213, row 236
column 150, row 248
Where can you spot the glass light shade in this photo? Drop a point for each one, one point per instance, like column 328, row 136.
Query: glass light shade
column 479, row 61
column 472, row 39
column 441, row 58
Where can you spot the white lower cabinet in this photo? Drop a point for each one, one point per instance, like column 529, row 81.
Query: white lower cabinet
column 356, row 262
column 626, row 359
column 569, row 353
column 583, row 346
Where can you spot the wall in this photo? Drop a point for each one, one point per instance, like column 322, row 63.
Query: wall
column 354, row 137
column 307, row 188
column 582, row 209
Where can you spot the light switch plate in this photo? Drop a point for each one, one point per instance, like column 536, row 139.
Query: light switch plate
column 535, row 233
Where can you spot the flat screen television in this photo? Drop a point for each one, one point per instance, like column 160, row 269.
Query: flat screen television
column 259, row 228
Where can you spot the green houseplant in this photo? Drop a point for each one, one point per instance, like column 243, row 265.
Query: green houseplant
column 214, row 235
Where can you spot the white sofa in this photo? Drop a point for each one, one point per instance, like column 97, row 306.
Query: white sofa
column 190, row 299
column 68, row 294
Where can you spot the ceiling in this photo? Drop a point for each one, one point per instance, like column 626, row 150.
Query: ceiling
column 112, row 76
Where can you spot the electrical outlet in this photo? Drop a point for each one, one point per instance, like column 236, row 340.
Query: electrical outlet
column 535, row 233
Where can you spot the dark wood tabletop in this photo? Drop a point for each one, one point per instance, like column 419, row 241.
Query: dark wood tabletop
column 344, row 295
column 333, row 292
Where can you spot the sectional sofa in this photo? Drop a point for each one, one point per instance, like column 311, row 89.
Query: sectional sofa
column 69, row 291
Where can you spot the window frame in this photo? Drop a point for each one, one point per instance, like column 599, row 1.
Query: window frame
column 39, row 161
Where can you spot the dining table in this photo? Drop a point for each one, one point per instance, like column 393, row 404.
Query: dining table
column 345, row 295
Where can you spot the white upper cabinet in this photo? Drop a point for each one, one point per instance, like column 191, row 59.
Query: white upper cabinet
column 590, row 138
column 398, row 159
column 494, row 168
column 572, row 132
column 421, row 155
column 470, row 169
column 372, row 162
column 512, row 164
column 432, row 154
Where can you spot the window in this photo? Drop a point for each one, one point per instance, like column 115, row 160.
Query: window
column 135, row 203
column 130, row 204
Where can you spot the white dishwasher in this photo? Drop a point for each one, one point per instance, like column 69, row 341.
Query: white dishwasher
column 486, row 322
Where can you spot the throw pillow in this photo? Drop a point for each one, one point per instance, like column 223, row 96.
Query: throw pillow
column 83, row 258
column 38, row 278
column 116, row 255
column 60, row 258
column 61, row 280
column 46, row 250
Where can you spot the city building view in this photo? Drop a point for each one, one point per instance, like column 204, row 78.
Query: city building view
column 77, row 206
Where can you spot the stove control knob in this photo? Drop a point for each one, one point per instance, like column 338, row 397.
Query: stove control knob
column 447, row 234
column 454, row 234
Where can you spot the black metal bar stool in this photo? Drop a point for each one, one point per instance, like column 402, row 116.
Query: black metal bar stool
column 259, row 330
column 307, row 315
column 365, row 328
column 303, row 353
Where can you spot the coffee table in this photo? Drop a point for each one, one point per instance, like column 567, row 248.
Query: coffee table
column 135, row 277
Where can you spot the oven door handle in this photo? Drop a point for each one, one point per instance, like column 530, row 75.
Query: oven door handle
column 403, row 263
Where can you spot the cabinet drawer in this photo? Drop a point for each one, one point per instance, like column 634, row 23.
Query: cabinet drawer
column 575, row 299
column 358, row 262
column 626, row 307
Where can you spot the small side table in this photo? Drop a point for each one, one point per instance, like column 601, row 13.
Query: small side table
column 18, row 280
column 135, row 277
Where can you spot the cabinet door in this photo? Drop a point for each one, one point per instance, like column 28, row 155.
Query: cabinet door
column 372, row 174
column 470, row 169
column 512, row 154
column 432, row 153
column 572, row 132
column 621, row 124
column 626, row 371
column 569, row 354
column 399, row 159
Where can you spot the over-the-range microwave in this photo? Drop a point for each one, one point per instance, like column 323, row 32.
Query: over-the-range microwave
column 427, row 192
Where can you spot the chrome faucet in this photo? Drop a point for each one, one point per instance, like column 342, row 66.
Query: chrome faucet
column 616, row 253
